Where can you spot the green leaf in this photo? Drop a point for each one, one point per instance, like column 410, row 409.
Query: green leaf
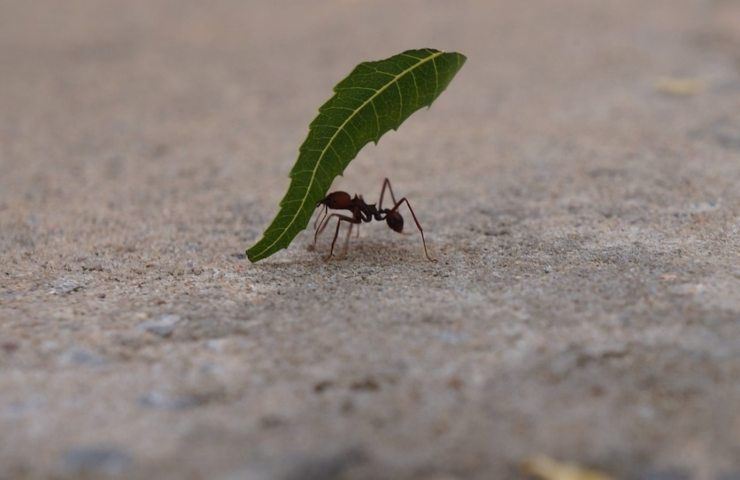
column 374, row 98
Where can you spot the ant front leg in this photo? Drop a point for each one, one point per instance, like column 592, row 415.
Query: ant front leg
column 340, row 219
column 320, row 215
column 418, row 225
column 321, row 226
column 386, row 183
column 319, row 220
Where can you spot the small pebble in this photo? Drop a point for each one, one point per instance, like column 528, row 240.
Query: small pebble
column 165, row 401
column 28, row 405
column 302, row 466
column 162, row 327
column 368, row 384
column 9, row 347
column 66, row 286
column 450, row 337
column 97, row 460
column 665, row 474
column 83, row 357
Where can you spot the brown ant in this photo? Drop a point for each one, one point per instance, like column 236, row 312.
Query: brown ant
column 362, row 212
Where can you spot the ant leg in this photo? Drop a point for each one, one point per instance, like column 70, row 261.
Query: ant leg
column 386, row 183
column 322, row 225
column 340, row 218
column 326, row 210
column 345, row 249
column 325, row 223
column 318, row 223
column 418, row 225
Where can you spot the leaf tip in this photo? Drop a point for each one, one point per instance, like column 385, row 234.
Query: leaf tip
column 253, row 256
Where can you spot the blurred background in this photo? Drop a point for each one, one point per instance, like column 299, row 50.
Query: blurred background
column 578, row 181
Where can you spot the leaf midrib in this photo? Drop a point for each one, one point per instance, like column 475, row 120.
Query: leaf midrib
column 331, row 140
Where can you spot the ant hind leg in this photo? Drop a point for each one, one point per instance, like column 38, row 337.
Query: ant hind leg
column 386, row 183
column 418, row 225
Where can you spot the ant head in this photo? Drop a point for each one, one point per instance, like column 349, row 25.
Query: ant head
column 395, row 221
column 337, row 200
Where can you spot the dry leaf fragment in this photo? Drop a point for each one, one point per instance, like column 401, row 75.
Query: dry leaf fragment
column 546, row 468
column 680, row 87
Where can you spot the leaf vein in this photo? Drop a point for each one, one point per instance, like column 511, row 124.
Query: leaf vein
column 436, row 78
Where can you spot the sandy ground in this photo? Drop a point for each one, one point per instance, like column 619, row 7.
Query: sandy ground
column 579, row 182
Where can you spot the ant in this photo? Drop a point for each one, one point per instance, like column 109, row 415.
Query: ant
column 362, row 212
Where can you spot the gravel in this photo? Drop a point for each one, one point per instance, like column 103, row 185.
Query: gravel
column 578, row 182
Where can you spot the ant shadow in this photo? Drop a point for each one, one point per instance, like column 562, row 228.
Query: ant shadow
column 376, row 252
column 372, row 252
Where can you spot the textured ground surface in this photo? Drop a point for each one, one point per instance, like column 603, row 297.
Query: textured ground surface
column 579, row 182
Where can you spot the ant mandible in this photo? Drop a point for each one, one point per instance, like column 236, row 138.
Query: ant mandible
column 362, row 212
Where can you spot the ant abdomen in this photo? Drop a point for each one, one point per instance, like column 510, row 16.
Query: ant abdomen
column 394, row 221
